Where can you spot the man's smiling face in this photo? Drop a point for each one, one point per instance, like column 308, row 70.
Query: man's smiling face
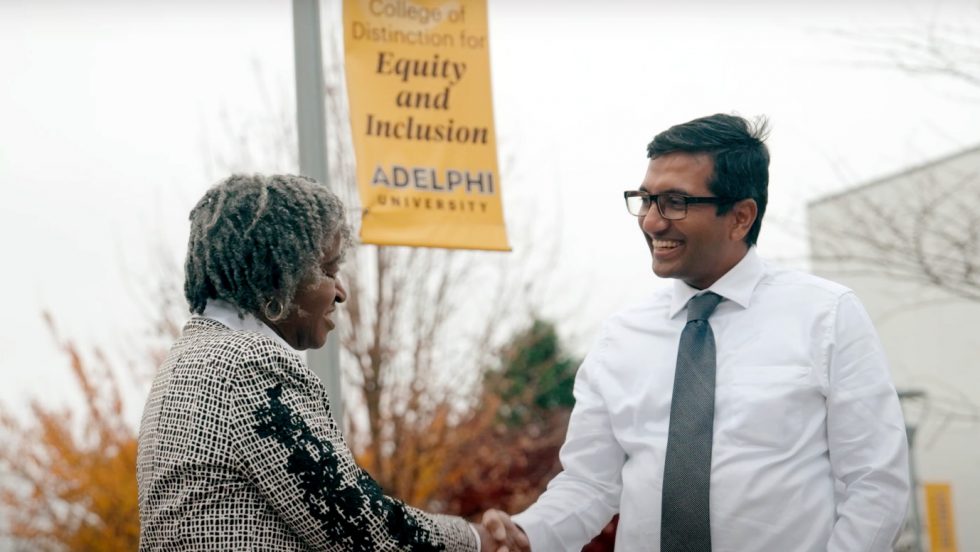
column 703, row 246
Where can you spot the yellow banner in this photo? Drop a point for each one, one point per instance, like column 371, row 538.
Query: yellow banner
column 418, row 79
column 939, row 517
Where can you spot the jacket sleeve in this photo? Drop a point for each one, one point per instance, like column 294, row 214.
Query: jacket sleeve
column 291, row 448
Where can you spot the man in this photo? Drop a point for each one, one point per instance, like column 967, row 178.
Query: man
column 768, row 422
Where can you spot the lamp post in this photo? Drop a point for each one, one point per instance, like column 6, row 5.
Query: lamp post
column 905, row 395
column 311, row 123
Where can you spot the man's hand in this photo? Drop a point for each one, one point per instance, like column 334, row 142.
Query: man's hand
column 499, row 534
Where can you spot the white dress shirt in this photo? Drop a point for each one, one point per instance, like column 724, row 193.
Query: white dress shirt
column 809, row 450
column 225, row 313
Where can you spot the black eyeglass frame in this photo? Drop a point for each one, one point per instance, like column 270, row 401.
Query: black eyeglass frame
column 656, row 199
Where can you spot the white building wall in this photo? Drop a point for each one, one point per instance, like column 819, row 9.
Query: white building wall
column 931, row 336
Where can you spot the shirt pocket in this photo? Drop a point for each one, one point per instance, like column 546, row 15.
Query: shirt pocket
column 767, row 405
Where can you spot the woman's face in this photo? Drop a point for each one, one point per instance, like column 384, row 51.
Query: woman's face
column 316, row 299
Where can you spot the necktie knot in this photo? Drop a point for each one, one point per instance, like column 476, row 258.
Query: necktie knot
column 700, row 307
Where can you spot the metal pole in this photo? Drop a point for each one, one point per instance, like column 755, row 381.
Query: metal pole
column 914, row 480
column 311, row 123
column 905, row 395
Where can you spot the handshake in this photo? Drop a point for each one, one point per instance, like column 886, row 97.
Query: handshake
column 499, row 534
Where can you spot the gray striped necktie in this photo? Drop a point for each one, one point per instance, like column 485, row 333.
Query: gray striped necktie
column 684, row 524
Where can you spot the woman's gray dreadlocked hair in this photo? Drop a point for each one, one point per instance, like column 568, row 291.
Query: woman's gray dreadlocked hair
column 255, row 238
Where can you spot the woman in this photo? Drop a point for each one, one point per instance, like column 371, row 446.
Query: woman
column 238, row 449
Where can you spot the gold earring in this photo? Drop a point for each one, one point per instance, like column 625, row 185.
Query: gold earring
column 273, row 309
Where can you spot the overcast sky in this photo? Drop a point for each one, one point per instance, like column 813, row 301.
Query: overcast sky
column 111, row 115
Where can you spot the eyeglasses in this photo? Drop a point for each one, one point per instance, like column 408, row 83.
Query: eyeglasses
column 671, row 206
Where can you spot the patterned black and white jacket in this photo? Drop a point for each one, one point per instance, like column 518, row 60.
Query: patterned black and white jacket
column 238, row 450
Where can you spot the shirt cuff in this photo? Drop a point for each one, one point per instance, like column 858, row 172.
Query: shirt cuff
column 527, row 523
column 476, row 535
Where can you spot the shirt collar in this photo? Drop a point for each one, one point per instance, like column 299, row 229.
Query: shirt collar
column 736, row 285
column 226, row 314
